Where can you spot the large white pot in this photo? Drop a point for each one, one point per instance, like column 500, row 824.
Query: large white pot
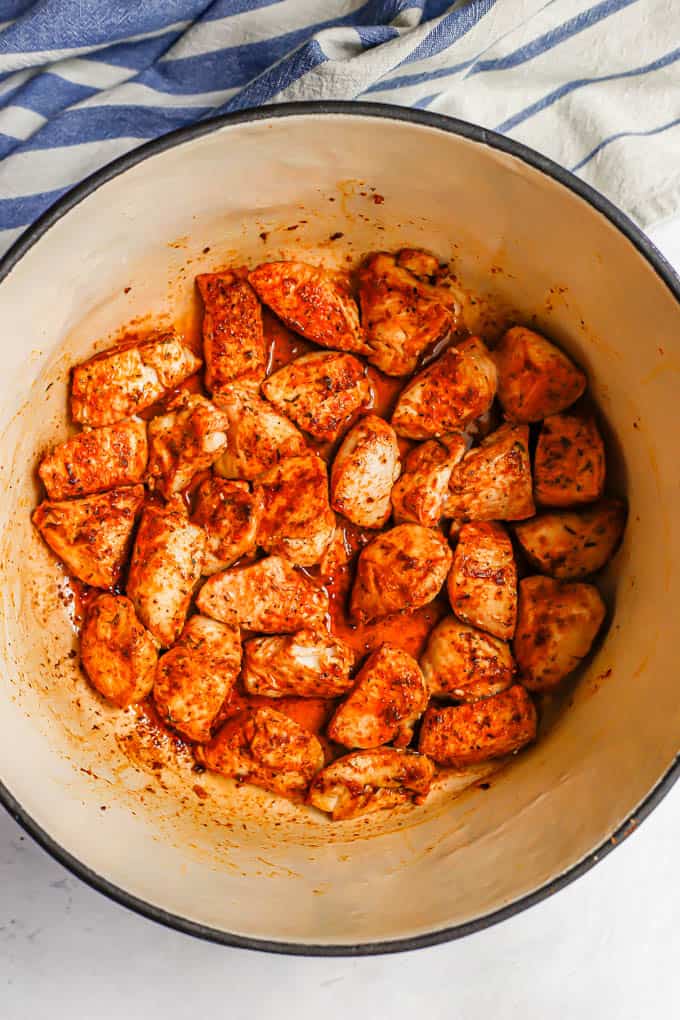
column 235, row 865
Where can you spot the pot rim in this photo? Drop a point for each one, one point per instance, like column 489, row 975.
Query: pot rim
column 482, row 136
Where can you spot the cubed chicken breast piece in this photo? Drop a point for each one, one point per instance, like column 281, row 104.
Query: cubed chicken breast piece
column 96, row 460
column 569, row 463
column 459, row 735
column 186, row 440
column 296, row 521
column 422, row 490
column 310, row 663
column 319, row 391
column 123, row 380
column 264, row 747
column 464, row 663
column 364, row 470
column 368, row 781
column 535, row 378
column 402, row 316
column 229, row 514
column 482, row 583
column 91, row 536
column 258, row 436
column 404, row 568
column 116, row 650
column 421, row 263
column 270, row 596
column 167, row 560
column 233, row 337
column 556, row 626
column 570, row 545
column 450, row 393
column 195, row 677
column 316, row 303
column 389, row 697
column 493, row 480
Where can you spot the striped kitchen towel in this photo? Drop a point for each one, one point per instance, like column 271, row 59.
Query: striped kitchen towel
column 595, row 84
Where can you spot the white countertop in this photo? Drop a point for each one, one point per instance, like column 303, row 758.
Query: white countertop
column 605, row 947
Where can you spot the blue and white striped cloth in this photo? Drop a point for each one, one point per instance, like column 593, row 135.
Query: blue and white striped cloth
column 595, row 84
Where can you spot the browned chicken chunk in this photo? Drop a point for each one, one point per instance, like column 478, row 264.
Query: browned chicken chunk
column 186, row 440
column 421, row 263
column 167, row 560
column 404, row 568
column 125, row 379
column 449, row 394
column 319, row 391
column 464, row 663
column 482, row 583
column 535, row 378
column 310, row 664
column 493, row 481
column 229, row 513
column 459, row 735
column 91, row 535
column 569, row 464
column 269, row 596
column 96, row 460
column 364, row 470
column 368, row 781
column 266, row 748
column 402, row 315
column 233, row 338
column 196, row 675
column 556, row 626
column 570, row 545
column 297, row 521
column 422, row 490
column 117, row 652
column 389, row 697
column 315, row 303
column 258, row 436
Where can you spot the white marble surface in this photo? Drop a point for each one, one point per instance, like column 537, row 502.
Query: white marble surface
column 605, row 947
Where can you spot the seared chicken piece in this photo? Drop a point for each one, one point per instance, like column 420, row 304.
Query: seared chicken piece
column 265, row 747
column 186, row 440
column 569, row 464
column 269, row 596
column 229, row 513
column 368, row 781
column 535, row 378
column 364, row 470
column 196, row 675
column 459, row 735
column 117, row 652
column 404, row 568
column 316, row 304
column 421, row 492
column 233, row 338
column 570, row 545
column 389, row 697
column 421, row 263
column 167, row 560
column 482, row 583
column 91, row 536
column 258, row 436
column 464, row 663
column 310, row 663
column 402, row 316
column 556, row 625
column 95, row 460
column 319, row 391
column 125, row 379
column 297, row 521
column 493, row 480
column 449, row 394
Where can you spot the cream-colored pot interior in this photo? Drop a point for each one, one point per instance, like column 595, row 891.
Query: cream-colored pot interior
column 237, row 860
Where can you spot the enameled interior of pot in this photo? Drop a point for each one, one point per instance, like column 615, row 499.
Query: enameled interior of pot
column 124, row 800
